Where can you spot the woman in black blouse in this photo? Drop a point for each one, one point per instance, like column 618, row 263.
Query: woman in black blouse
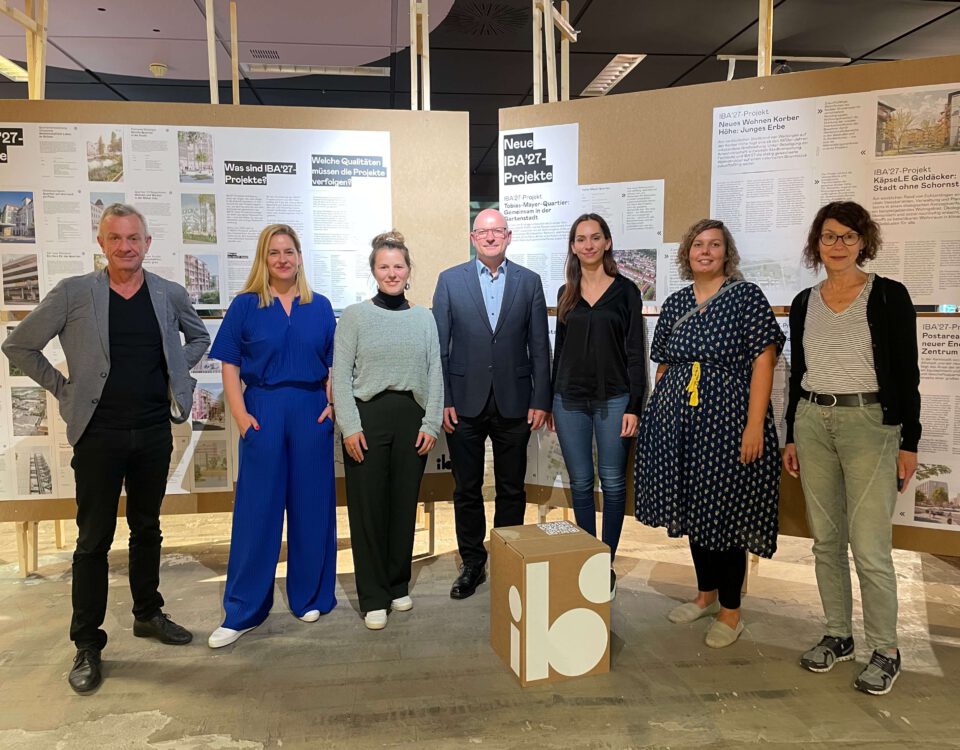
column 599, row 375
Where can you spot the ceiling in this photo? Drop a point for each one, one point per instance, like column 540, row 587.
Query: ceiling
column 480, row 49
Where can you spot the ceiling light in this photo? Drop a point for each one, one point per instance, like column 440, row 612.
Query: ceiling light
column 616, row 70
column 314, row 70
column 11, row 70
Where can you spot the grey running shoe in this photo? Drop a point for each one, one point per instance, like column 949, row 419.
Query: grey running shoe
column 828, row 652
column 878, row 676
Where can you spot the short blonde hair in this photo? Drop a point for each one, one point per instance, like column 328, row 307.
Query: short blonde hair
column 258, row 282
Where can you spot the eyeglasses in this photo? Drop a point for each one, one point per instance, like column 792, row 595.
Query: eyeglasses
column 829, row 239
column 498, row 232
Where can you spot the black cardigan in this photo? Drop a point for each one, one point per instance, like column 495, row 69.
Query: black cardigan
column 893, row 334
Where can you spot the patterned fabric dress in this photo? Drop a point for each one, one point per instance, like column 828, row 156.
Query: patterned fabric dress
column 688, row 475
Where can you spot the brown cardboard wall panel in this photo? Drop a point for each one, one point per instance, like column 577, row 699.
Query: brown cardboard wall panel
column 430, row 194
column 667, row 134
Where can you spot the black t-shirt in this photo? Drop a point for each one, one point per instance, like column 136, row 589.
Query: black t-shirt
column 599, row 350
column 136, row 393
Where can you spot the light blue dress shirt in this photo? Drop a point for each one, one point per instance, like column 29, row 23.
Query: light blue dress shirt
column 492, row 290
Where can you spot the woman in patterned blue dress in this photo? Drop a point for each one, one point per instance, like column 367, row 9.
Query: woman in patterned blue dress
column 708, row 462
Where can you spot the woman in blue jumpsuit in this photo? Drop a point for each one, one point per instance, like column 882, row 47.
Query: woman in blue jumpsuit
column 277, row 338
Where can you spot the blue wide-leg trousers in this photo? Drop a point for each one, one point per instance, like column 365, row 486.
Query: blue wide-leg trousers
column 286, row 465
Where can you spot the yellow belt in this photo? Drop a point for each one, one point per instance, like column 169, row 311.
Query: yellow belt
column 693, row 385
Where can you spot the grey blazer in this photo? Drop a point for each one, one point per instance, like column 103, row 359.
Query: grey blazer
column 77, row 310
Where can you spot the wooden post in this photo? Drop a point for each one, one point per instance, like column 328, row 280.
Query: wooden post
column 34, row 21
column 414, row 58
column 234, row 55
column 212, row 54
column 60, row 533
column 423, row 25
column 565, row 55
column 764, row 37
column 40, row 50
column 28, row 7
column 431, row 518
column 27, row 547
column 551, row 49
column 419, row 55
column 537, row 52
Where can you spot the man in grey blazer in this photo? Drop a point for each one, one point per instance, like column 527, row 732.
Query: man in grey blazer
column 129, row 376
column 495, row 352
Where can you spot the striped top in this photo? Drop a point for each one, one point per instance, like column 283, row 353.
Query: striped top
column 838, row 346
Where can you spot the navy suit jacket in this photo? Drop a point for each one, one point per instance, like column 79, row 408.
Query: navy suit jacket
column 514, row 359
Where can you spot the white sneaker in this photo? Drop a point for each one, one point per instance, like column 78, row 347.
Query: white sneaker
column 403, row 604
column 312, row 616
column 225, row 636
column 376, row 620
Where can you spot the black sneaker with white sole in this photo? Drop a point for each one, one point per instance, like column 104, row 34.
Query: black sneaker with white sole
column 878, row 676
column 828, row 652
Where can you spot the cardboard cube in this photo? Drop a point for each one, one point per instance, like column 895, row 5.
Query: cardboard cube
column 550, row 601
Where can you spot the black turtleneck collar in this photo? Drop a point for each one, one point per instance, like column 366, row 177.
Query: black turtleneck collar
column 391, row 301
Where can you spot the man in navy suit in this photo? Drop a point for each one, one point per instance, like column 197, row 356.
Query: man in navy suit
column 492, row 320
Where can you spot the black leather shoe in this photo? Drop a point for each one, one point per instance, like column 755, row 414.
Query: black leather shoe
column 165, row 630
column 85, row 675
column 470, row 577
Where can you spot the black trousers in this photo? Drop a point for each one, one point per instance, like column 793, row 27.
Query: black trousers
column 382, row 494
column 103, row 460
column 467, row 445
column 721, row 571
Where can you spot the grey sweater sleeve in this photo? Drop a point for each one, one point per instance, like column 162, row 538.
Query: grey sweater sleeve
column 344, row 357
column 433, row 411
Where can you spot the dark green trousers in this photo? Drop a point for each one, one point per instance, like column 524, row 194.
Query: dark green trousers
column 382, row 494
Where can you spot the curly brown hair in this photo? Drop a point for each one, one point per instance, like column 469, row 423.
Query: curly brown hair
column 851, row 215
column 732, row 257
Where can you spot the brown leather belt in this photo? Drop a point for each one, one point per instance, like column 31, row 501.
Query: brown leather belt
column 841, row 399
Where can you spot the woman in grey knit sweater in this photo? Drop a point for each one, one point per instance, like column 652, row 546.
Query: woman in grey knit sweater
column 388, row 392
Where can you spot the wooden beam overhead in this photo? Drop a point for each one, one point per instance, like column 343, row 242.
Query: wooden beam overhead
column 764, row 37
column 19, row 16
column 234, row 55
column 212, row 54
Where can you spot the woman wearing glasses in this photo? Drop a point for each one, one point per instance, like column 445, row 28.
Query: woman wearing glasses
column 853, row 424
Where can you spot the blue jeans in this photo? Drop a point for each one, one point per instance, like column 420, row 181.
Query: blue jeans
column 578, row 421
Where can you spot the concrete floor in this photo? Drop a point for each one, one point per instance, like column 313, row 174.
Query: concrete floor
column 431, row 680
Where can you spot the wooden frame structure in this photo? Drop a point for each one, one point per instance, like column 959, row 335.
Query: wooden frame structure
column 419, row 55
column 212, row 54
column 33, row 19
column 764, row 37
column 447, row 164
column 546, row 20
column 234, row 55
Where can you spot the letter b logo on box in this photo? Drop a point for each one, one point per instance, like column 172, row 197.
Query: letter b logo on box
column 575, row 642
